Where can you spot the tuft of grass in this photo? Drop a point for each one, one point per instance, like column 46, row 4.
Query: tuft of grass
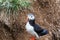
column 14, row 4
column 25, row 3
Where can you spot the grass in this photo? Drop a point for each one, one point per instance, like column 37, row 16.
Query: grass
column 14, row 4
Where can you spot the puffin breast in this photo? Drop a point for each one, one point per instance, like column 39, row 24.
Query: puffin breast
column 29, row 28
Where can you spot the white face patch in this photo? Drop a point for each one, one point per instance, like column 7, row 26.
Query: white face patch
column 31, row 16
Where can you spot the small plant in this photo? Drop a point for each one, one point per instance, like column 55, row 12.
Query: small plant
column 14, row 4
column 24, row 3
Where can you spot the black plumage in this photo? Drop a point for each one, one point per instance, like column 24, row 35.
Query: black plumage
column 40, row 31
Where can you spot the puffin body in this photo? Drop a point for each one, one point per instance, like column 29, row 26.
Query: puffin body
column 30, row 29
column 33, row 28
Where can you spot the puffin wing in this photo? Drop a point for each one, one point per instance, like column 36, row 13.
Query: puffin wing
column 39, row 30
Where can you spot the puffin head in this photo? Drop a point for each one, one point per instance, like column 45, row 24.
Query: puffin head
column 31, row 19
column 30, row 16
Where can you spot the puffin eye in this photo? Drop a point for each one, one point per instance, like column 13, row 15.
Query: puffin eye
column 31, row 16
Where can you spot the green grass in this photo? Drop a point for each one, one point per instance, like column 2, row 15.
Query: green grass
column 14, row 4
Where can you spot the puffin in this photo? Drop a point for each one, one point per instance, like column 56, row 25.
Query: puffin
column 34, row 29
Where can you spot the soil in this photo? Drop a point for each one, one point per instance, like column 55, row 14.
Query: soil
column 47, row 13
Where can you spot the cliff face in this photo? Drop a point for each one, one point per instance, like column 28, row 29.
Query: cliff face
column 47, row 13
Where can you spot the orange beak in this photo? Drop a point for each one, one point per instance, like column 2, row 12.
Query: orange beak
column 26, row 19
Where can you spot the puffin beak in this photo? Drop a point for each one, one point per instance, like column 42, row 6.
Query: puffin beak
column 26, row 19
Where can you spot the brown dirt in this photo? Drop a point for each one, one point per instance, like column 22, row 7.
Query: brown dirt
column 47, row 13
